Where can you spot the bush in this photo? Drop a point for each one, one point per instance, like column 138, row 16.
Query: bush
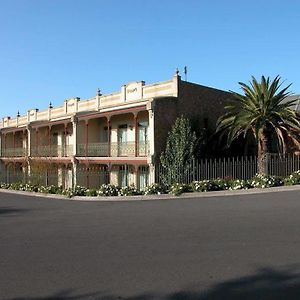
column 79, row 191
column 91, row 192
column 265, row 181
column 207, row 185
column 154, row 189
column 179, row 188
column 108, row 190
column 51, row 189
column 239, row 184
column 293, row 179
column 128, row 191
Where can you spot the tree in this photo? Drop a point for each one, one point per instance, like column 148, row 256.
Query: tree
column 264, row 112
column 179, row 153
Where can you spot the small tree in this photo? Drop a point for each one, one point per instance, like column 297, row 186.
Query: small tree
column 179, row 153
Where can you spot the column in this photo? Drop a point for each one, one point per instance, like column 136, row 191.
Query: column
column 86, row 138
column 136, row 176
column 24, row 143
column 49, row 140
column 2, row 171
column 151, row 132
column 1, row 154
column 74, row 173
column 5, row 144
column 74, row 124
column 28, row 171
column 136, row 131
column 37, row 141
column 28, row 141
column 151, row 145
column 14, row 144
column 60, row 175
column 108, row 136
column 65, row 139
column 87, row 173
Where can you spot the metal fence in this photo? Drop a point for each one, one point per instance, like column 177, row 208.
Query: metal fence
column 96, row 175
column 231, row 167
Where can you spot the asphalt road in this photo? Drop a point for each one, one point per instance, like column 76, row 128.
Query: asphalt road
column 239, row 247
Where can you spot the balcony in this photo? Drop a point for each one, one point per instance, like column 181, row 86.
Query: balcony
column 53, row 151
column 14, row 152
column 93, row 149
column 116, row 149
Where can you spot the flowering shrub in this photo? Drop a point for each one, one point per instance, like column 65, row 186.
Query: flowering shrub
column 128, row 191
column 258, row 181
column 239, row 184
column 208, row 185
column 51, row 189
column 265, row 181
column 153, row 189
column 220, row 184
column 179, row 188
column 79, row 191
column 91, row 192
column 107, row 190
column 293, row 179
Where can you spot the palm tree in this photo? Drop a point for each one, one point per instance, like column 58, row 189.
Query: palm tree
column 263, row 111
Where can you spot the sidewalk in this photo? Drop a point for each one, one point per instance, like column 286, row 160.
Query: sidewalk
column 159, row 197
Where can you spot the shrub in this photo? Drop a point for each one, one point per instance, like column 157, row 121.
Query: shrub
column 128, row 191
column 206, row 185
column 154, row 188
column 107, row 190
column 293, row 179
column 265, row 181
column 79, row 191
column 91, row 192
column 220, row 184
column 179, row 188
column 51, row 189
column 239, row 184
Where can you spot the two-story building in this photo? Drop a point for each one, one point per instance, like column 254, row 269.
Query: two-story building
column 114, row 138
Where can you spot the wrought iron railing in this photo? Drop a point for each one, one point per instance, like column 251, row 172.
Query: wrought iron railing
column 92, row 149
column 143, row 149
column 230, row 167
column 123, row 149
column 52, row 151
column 126, row 149
column 14, row 152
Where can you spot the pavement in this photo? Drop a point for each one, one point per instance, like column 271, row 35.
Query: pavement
column 238, row 246
column 159, row 196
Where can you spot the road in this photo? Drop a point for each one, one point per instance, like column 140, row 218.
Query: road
column 236, row 247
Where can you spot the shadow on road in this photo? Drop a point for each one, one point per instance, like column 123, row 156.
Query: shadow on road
column 10, row 210
column 266, row 284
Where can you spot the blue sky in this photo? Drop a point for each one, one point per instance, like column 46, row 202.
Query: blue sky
column 53, row 50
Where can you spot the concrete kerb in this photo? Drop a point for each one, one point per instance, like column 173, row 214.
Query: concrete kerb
column 159, row 197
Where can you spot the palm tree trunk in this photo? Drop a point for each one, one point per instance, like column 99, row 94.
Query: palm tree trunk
column 263, row 149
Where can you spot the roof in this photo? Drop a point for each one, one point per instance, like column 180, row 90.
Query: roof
column 296, row 105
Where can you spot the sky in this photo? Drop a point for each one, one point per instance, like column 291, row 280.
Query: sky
column 54, row 50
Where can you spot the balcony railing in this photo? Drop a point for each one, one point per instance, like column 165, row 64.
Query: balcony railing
column 123, row 149
column 13, row 152
column 143, row 149
column 126, row 149
column 53, row 151
column 93, row 149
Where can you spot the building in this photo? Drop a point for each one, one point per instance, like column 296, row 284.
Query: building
column 114, row 138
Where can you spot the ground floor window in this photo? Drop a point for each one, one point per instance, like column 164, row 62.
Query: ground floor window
column 143, row 177
column 123, row 176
